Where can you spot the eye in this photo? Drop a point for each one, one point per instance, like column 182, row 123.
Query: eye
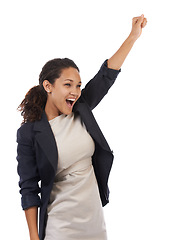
column 68, row 84
column 79, row 86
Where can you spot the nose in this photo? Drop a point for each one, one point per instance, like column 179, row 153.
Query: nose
column 74, row 92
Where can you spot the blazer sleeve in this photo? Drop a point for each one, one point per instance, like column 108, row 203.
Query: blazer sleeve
column 98, row 86
column 27, row 171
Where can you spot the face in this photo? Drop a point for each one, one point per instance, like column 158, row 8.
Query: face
column 64, row 93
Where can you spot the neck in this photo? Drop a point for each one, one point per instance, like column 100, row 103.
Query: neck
column 51, row 111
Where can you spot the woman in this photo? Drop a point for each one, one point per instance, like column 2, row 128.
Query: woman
column 61, row 147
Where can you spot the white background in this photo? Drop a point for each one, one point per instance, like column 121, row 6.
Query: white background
column 143, row 117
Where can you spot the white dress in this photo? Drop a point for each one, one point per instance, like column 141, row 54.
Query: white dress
column 75, row 209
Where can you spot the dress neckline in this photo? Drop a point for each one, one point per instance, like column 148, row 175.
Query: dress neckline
column 60, row 117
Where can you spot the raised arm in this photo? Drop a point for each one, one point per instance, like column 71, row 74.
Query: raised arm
column 116, row 61
column 98, row 87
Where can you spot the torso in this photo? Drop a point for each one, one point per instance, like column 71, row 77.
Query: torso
column 75, row 209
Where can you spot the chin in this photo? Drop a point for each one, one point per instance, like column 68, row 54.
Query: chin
column 66, row 112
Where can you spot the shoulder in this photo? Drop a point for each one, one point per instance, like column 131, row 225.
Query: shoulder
column 25, row 132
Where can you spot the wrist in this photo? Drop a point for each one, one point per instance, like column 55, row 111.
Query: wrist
column 132, row 38
column 34, row 236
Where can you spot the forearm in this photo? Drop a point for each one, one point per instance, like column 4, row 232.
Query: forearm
column 116, row 61
column 32, row 221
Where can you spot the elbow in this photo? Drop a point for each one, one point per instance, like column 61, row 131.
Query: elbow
column 30, row 200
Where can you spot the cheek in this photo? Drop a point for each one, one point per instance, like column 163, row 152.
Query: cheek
column 58, row 96
column 79, row 93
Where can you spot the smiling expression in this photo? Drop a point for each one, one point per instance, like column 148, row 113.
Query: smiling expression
column 63, row 94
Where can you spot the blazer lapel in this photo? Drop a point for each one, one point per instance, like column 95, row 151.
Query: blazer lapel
column 91, row 125
column 45, row 138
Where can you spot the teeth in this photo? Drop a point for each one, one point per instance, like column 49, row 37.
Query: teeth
column 69, row 99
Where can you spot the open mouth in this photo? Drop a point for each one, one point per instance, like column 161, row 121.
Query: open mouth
column 70, row 102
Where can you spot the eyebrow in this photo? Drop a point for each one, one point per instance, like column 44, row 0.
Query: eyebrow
column 71, row 80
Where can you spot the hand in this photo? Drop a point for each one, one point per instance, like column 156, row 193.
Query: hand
column 137, row 24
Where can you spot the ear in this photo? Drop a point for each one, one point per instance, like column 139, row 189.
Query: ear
column 47, row 86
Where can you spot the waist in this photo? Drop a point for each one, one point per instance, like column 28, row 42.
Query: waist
column 77, row 166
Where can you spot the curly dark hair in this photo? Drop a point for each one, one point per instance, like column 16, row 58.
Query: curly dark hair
column 33, row 104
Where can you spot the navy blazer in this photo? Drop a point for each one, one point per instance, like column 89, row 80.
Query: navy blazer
column 37, row 153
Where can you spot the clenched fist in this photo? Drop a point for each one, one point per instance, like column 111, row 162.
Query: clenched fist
column 137, row 24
